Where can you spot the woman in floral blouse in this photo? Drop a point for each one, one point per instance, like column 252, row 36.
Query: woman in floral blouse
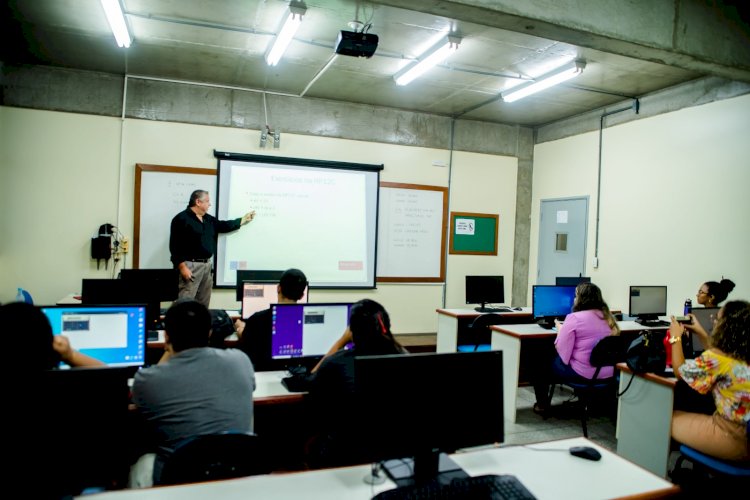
column 724, row 371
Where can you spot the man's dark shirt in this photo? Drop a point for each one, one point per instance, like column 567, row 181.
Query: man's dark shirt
column 256, row 340
column 189, row 238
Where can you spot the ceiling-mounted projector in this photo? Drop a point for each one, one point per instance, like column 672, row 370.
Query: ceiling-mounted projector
column 357, row 44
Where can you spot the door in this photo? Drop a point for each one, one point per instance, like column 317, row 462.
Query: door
column 562, row 239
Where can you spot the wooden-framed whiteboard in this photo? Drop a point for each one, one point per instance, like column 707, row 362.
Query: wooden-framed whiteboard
column 161, row 192
column 412, row 222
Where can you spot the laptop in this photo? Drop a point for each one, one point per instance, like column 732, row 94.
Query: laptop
column 113, row 334
column 705, row 316
column 259, row 296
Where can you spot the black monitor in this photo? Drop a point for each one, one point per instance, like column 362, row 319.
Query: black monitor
column 449, row 401
column 484, row 290
column 255, row 276
column 571, row 280
column 162, row 283
column 647, row 303
column 83, row 413
column 549, row 303
column 113, row 334
column 121, row 291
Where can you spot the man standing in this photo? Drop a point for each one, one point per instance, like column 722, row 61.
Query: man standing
column 255, row 332
column 192, row 243
column 195, row 389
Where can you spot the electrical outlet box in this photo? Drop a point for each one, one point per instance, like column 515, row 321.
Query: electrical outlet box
column 596, row 262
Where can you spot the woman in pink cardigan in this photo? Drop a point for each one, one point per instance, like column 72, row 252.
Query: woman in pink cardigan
column 590, row 321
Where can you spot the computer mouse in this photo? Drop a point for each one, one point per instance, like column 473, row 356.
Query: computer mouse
column 586, row 452
column 518, row 308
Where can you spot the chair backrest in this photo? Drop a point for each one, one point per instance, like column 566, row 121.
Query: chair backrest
column 211, row 457
column 608, row 352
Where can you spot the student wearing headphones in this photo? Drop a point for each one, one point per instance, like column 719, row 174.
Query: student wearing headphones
column 332, row 385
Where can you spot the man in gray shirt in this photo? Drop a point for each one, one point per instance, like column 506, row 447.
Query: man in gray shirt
column 194, row 389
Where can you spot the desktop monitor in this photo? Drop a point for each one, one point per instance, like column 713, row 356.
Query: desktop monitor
column 255, row 276
column 306, row 330
column 162, row 283
column 484, row 290
column 706, row 317
column 259, row 296
column 123, row 291
column 449, row 401
column 82, row 424
column 571, row 280
column 551, row 302
column 113, row 334
column 647, row 303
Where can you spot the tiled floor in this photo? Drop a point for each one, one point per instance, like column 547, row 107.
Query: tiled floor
column 564, row 423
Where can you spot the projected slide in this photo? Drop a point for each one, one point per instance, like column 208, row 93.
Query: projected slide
column 320, row 220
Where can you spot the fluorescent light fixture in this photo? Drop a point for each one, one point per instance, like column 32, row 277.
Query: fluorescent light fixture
column 116, row 19
column 553, row 78
column 433, row 56
column 292, row 20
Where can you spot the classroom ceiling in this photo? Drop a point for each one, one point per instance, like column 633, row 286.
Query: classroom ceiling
column 223, row 42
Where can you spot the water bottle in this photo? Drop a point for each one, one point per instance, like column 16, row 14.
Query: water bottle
column 19, row 296
column 688, row 307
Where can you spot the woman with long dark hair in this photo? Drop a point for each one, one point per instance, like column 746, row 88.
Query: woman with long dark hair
column 332, row 384
column 590, row 321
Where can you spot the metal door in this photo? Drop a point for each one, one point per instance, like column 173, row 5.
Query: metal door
column 562, row 239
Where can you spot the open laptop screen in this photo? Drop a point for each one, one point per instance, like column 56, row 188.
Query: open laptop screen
column 302, row 330
column 705, row 316
column 113, row 334
column 259, row 296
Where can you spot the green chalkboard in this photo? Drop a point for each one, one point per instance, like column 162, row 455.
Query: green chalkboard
column 474, row 234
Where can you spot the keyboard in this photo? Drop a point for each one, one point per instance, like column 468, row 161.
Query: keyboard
column 494, row 309
column 656, row 322
column 490, row 487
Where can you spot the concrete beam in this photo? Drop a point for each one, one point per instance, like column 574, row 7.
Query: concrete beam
column 711, row 37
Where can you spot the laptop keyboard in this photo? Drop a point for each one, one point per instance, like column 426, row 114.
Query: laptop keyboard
column 490, row 486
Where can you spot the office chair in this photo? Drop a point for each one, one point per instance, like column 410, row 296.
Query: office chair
column 211, row 457
column 706, row 467
column 478, row 336
column 608, row 352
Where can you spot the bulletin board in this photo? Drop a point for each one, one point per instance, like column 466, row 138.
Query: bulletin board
column 473, row 234
column 412, row 221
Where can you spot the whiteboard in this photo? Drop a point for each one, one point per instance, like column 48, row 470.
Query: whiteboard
column 162, row 192
column 412, row 221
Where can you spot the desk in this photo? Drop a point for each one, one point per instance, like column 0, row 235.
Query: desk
column 644, row 419
column 451, row 321
column 520, row 343
column 547, row 474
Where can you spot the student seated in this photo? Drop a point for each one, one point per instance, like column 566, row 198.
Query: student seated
column 37, row 464
column 193, row 390
column 723, row 370
column 255, row 332
column 590, row 321
column 332, row 386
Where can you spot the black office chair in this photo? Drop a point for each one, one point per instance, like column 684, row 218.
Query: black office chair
column 211, row 457
column 478, row 336
column 608, row 352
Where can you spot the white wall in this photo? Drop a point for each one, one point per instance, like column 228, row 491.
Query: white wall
column 674, row 200
column 69, row 173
